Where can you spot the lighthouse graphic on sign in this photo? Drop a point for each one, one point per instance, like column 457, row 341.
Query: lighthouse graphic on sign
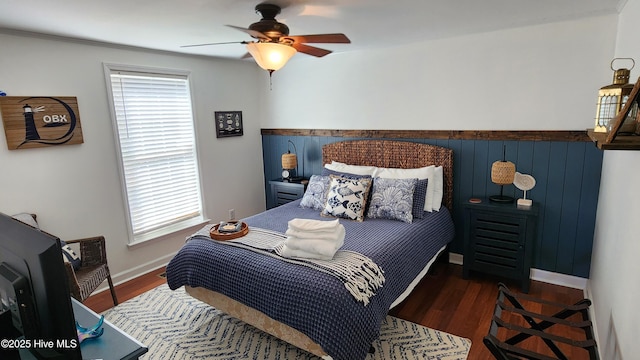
column 50, row 121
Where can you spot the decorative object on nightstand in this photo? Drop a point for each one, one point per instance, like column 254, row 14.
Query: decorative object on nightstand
column 612, row 98
column 502, row 173
column 525, row 183
column 290, row 163
column 499, row 240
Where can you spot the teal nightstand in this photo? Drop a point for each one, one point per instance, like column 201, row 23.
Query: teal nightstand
column 499, row 240
column 283, row 192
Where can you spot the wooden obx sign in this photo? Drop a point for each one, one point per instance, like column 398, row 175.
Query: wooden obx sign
column 40, row 121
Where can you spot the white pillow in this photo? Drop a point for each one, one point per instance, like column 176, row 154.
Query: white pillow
column 351, row 169
column 438, row 192
column 427, row 172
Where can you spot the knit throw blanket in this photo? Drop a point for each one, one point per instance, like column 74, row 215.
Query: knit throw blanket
column 359, row 274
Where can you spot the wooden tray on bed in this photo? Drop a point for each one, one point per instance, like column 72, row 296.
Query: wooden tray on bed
column 223, row 236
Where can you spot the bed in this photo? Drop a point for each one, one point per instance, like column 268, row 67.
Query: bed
column 311, row 309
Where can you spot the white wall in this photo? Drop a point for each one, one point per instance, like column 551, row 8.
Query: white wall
column 613, row 284
column 532, row 78
column 76, row 190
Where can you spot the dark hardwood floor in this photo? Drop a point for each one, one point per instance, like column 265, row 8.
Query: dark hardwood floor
column 128, row 290
column 443, row 300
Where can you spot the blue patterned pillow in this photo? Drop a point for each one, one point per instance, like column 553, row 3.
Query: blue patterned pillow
column 392, row 199
column 316, row 194
column 347, row 198
column 419, row 198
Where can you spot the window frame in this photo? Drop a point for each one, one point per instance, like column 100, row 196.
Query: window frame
column 169, row 229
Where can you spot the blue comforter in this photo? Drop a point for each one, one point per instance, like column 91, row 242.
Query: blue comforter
column 312, row 302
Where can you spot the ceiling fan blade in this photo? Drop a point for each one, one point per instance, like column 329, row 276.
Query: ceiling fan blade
column 311, row 50
column 246, row 56
column 321, row 38
column 218, row 43
column 253, row 33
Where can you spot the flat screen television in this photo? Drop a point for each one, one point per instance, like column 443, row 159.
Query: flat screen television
column 36, row 302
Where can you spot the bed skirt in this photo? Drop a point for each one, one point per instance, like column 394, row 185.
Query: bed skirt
column 257, row 319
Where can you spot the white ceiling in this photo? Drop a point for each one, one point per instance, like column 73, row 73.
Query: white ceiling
column 168, row 24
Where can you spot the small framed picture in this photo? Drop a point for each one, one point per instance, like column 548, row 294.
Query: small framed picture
column 228, row 123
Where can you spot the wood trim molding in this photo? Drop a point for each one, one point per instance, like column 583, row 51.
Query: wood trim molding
column 523, row 135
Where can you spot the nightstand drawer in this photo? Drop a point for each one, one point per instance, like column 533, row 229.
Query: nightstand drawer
column 498, row 228
column 285, row 195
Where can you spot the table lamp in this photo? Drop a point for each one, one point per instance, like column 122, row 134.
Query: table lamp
column 289, row 163
column 502, row 173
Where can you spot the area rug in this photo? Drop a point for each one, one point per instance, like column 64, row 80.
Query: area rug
column 175, row 326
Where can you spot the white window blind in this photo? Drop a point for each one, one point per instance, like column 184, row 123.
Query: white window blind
column 155, row 129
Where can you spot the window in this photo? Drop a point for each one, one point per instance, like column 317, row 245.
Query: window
column 154, row 123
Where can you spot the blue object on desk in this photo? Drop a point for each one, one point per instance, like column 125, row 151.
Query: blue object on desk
column 90, row 333
column 114, row 344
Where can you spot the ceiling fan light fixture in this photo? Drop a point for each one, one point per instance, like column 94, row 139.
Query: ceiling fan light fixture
column 270, row 56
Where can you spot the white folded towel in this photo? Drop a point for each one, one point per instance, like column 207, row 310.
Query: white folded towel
column 313, row 239
column 311, row 225
column 315, row 246
column 333, row 235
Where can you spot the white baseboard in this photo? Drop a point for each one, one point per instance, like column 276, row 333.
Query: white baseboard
column 455, row 258
column 141, row 269
column 592, row 316
column 565, row 280
column 540, row 275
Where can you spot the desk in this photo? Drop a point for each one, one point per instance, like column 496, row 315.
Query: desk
column 114, row 344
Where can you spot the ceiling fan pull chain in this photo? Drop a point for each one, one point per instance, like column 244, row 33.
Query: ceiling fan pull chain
column 270, row 78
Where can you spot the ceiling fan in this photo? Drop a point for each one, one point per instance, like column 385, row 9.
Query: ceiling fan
column 274, row 46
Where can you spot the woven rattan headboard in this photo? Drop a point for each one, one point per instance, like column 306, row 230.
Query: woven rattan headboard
column 394, row 154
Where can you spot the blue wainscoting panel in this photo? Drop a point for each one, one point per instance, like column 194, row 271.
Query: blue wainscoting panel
column 567, row 183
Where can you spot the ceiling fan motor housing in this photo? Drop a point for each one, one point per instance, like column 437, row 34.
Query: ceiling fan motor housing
column 268, row 24
column 271, row 28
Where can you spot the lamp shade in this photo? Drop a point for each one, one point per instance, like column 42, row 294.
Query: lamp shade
column 289, row 161
column 270, row 56
column 503, row 172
